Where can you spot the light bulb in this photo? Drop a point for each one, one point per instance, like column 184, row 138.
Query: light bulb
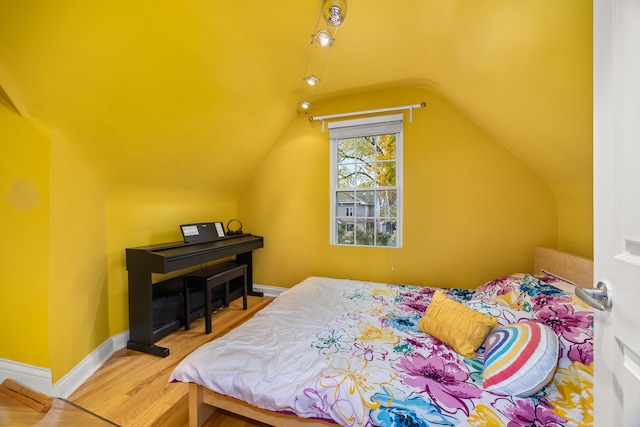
column 312, row 80
column 323, row 38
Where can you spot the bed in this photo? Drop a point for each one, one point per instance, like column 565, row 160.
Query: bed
column 518, row 350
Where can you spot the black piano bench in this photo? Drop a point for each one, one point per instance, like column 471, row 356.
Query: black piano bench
column 207, row 280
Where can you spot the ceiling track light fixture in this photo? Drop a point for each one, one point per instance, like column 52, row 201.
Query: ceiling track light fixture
column 312, row 80
column 322, row 38
column 331, row 15
column 334, row 11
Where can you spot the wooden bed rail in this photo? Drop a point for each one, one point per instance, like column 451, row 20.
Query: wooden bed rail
column 203, row 402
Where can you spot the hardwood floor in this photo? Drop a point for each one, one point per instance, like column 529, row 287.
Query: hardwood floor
column 62, row 413
column 132, row 388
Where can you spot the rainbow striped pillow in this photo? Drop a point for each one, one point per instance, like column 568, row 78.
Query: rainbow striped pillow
column 520, row 359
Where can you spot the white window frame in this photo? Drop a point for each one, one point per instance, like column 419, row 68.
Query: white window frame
column 378, row 125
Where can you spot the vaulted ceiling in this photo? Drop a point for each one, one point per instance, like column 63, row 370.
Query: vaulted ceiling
column 138, row 87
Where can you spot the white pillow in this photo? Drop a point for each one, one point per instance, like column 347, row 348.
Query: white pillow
column 520, row 359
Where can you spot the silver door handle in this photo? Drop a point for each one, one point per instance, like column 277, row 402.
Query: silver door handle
column 598, row 297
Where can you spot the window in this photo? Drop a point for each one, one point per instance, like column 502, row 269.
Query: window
column 366, row 181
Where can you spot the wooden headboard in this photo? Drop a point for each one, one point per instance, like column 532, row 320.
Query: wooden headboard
column 575, row 268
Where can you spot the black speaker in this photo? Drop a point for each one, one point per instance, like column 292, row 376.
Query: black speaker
column 237, row 227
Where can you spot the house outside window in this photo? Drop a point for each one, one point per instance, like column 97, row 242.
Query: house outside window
column 366, row 181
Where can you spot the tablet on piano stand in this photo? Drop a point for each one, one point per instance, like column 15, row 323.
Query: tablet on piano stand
column 202, row 232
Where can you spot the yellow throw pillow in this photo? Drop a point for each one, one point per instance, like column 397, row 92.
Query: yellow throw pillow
column 456, row 325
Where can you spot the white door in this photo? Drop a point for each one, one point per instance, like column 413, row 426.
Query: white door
column 617, row 210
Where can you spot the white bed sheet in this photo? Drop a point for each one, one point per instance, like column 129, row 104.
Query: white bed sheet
column 266, row 349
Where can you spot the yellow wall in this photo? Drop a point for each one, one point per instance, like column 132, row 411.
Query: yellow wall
column 472, row 211
column 575, row 216
column 78, row 315
column 24, row 231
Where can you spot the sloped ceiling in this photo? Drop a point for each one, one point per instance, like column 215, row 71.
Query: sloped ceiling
column 145, row 87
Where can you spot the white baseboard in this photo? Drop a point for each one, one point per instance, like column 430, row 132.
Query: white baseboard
column 90, row 364
column 269, row 291
column 41, row 380
column 34, row 377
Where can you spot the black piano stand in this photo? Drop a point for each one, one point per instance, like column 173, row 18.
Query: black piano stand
column 143, row 261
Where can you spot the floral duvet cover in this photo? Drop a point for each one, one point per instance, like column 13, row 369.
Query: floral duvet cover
column 350, row 352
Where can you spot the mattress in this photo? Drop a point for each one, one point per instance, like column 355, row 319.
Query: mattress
column 352, row 352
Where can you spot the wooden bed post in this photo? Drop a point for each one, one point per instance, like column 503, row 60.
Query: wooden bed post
column 199, row 412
